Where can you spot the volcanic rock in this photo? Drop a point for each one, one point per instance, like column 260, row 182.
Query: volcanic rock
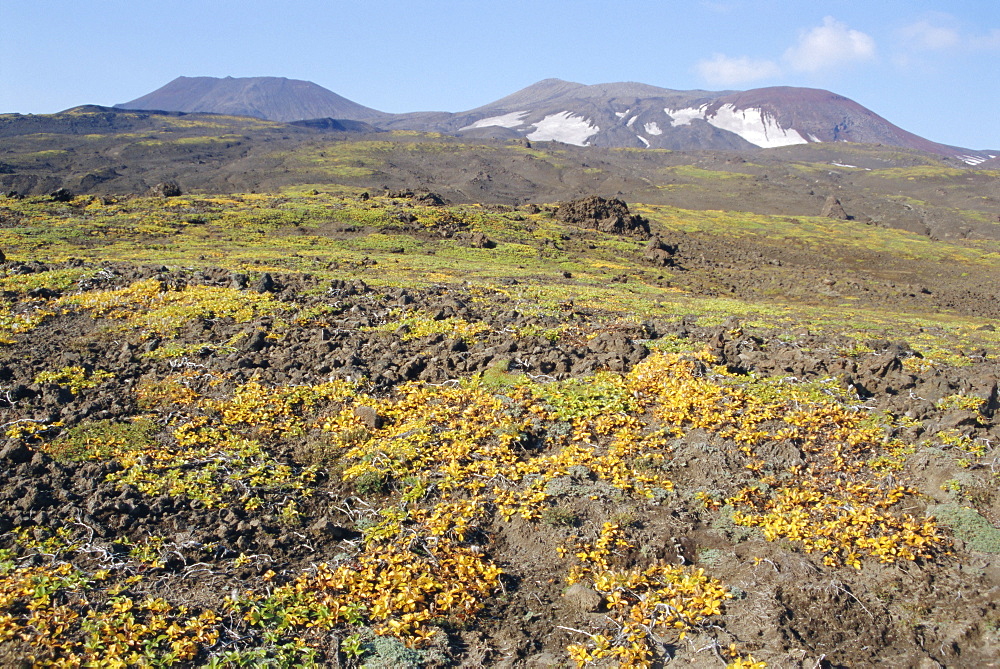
column 833, row 209
column 425, row 198
column 611, row 216
column 368, row 416
column 166, row 189
column 659, row 253
column 265, row 284
column 480, row 241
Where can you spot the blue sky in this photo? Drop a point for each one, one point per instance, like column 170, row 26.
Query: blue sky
column 929, row 67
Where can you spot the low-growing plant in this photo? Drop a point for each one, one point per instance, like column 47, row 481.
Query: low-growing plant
column 99, row 440
column 560, row 516
column 371, row 482
column 416, row 325
column 74, row 378
column 645, row 604
column 152, row 307
column 961, row 402
column 45, row 605
column 969, row 525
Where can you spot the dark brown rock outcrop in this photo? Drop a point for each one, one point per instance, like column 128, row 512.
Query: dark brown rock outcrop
column 166, row 189
column 611, row 216
column 426, row 198
column 833, row 209
column 478, row 240
column 659, row 253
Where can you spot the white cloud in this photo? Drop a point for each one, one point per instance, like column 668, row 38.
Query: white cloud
column 926, row 35
column 827, row 46
column 725, row 71
column 830, row 45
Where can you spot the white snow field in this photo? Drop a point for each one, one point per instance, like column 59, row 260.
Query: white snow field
column 511, row 120
column 653, row 129
column 685, row 116
column 751, row 124
column 564, row 127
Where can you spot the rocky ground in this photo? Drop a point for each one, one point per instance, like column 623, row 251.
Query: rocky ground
column 785, row 606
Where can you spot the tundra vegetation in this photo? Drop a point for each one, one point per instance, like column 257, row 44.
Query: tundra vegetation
column 327, row 429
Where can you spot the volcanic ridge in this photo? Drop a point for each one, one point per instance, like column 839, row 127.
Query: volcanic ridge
column 622, row 115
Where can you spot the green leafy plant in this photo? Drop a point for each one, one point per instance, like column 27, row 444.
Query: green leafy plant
column 74, row 378
column 102, row 439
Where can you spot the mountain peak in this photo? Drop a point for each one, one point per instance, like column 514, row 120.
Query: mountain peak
column 271, row 98
column 536, row 93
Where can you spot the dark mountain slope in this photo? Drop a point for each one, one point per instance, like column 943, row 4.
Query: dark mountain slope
column 827, row 117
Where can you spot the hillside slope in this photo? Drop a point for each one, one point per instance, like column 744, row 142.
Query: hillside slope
column 104, row 151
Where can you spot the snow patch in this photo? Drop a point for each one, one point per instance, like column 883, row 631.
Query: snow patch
column 751, row 124
column 755, row 126
column 653, row 129
column 972, row 160
column 511, row 120
column 684, row 116
column 814, row 138
column 564, row 127
column 643, row 140
column 867, row 169
column 631, row 121
column 622, row 114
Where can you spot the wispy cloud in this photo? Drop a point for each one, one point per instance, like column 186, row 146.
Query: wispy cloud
column 829, row 46
column 725, row 71
column 941, row 32
column 926, row 35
